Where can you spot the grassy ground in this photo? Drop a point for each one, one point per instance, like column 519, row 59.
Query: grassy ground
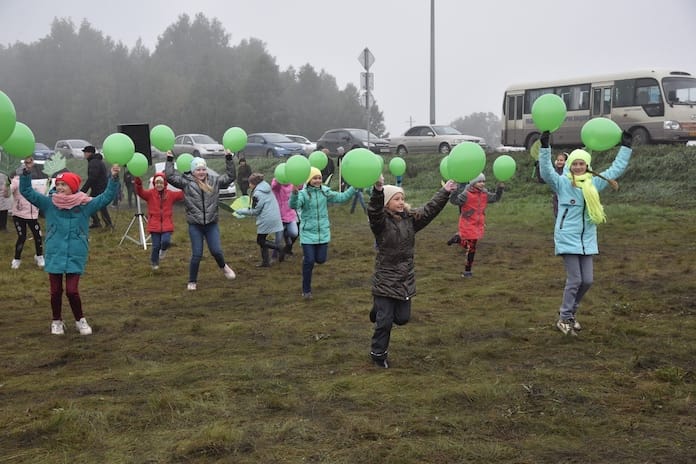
column 248, row 372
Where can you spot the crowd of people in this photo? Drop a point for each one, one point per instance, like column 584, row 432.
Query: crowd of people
column 288, row 213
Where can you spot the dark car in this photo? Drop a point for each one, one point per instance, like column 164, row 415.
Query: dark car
column 41, row 153
column 352, row 138
column 271, row 144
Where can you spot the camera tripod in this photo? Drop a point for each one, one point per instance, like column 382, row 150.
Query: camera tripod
column 141, row 219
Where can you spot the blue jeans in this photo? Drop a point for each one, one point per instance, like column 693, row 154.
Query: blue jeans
column 160, row 241
column 312, row 254
column 211, row 234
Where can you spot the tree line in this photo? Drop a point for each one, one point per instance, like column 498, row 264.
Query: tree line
column 78, row 83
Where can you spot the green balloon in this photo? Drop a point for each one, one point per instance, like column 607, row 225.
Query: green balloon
column 444, row 171
column 234, row 139
column 162, row 137
column 21, row 141
column 397, row 166
column 466, row 161
column 279, row 174
column 118, row 149
column 504, row 167
column 138, row 164
column 548, row 112
column 8, row 117
column 360, row 168
column 600, row 134
column 183, row 162
column 297, row 169
column 318, row 159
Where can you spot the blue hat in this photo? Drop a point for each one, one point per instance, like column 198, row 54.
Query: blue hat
column 198, row 162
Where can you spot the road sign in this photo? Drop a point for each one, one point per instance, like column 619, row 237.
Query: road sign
column 366, row 59
column 367, row 100
column 367, row 81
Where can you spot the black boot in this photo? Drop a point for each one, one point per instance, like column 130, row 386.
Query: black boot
column 279, row 249
column 265, row 261
column 455, row 239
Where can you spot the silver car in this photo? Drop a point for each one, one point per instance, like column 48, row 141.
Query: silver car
column 71, row 148
column 197, row 145
column 431, row 139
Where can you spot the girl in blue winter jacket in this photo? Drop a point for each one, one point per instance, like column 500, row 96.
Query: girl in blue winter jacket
column 67, row 213
column 311, row 204
column 579, row 212
column 265, row 207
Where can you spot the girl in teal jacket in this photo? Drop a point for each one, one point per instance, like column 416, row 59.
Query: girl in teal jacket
column 67, row 213
column 579, row 212
column 311, row 204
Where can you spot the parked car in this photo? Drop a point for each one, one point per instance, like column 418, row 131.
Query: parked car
column 309, row 146
column 431, row 139
column 352, row 138
column 41, row 153
column 507, row 149
column 229, row 192
column 72, row 148
column 197, row 145
column 271, row 144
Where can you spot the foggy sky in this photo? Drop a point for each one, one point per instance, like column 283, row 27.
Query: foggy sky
column 481, row 47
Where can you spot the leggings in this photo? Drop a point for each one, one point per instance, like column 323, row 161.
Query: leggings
column 469, row 244
column 72, row 281
column 21, row 228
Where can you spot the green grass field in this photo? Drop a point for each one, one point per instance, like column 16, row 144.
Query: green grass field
column 246, row 371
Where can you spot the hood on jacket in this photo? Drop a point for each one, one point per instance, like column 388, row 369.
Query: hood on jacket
column 164, row 178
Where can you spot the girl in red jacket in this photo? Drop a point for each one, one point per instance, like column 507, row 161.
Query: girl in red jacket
column 472, row 202
column 160, row 203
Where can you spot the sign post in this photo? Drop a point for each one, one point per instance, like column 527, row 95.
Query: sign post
column 367, row 59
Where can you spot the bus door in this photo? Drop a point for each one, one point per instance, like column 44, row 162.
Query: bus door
column 601, row 102
column 514, row 121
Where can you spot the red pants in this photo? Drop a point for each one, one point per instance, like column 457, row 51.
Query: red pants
column 71, row 291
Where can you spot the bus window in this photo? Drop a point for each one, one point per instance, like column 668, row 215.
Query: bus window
column 624, row 93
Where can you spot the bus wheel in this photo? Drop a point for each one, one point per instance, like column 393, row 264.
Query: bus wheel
column 530, row 141
column 443, row 149
column 401, row 150
column 640, row 137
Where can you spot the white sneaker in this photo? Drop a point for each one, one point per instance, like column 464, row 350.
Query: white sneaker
column 162, row 254
column 155, row 267
column 565, row 326
column 83, row 327
column 39, row 260
column 191, row 286
column 229, row 273
column 15, row 263
column 57, row 328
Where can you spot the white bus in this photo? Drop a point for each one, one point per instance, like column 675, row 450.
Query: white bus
column 655, row 106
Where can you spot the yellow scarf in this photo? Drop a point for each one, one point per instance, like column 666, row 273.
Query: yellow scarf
column 594, row 207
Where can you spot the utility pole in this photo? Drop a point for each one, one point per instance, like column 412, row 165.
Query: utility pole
column 367, row 59
column 432, row 61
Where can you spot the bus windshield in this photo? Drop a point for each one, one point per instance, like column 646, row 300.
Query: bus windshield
column 680, row 90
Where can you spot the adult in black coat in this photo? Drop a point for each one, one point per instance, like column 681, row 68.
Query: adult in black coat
column 97, row 178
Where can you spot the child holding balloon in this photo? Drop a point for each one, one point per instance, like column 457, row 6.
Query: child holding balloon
column 160, row 205
column 67, row 213
column 472, row 202
column 288, row 215
column 580, row 211
column 394, row 225
column 201, row 193
column 311, row 204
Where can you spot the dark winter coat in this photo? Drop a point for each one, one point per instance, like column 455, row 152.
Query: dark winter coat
column 396, row 237
column 97, row 175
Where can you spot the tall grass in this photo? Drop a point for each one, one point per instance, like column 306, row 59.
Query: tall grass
column 247, row 371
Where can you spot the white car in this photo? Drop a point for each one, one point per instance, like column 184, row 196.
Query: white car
column 307, row 145
column 229, row 192
column 691, row 143
column 506, row 149
column 431, row 139
column 72, row 148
